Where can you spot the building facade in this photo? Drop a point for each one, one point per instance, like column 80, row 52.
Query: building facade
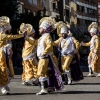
column 99, row 12
column 80, row 12
column 36, row 5
column 51, row 7
column 30, row 6
column 86, row 11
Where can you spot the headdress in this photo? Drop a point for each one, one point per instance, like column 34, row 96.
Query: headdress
column 22, row 28
column 26, row 27
column 93, row 27
column 61, row 28
column 5, row 22
column 30, row 29
column 47, row 23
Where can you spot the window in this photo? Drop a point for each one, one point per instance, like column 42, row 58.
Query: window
column 35, row 2
column 30, row 1
column 99, row 24
column 85, row 10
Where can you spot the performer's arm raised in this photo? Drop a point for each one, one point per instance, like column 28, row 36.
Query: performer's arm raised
column 9, row 37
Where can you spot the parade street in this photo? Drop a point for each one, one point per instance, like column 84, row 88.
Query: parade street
column 50, row 50
column 87, row 89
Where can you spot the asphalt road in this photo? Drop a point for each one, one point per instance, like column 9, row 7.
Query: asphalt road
column 87, row 89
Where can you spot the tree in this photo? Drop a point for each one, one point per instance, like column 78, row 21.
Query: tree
column 8, row 8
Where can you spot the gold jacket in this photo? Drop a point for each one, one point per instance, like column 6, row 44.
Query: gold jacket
column 4, row 37
column 30, row 46
column 76, row 43
column 94, row 44
column 45, row 45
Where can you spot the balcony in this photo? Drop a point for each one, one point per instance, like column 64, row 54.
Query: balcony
column 87, row 4
column 54, row 14
column 67, row 7
column 86, row 16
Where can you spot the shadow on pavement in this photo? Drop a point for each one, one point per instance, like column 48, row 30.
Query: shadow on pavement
column 21, row 94
column 85, row 84
column 77, row 92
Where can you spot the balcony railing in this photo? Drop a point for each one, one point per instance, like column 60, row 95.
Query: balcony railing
column 86, row 16
column 87, row 4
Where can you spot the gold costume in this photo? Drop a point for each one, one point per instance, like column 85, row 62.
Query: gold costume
column 68, row 46
column 4, row 75
column 94, row 58
column 6, row 67
column 48, row 49
column 45, row 54
column 9, row 54
column 29, row 59
column 67, row 59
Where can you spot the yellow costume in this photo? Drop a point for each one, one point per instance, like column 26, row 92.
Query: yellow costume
column 46, row 42
column 4, row 72
column 66, row 59
column 93, row 58
column 68, row 45
column 29, row 58
column 9, row 53
column 45, row 48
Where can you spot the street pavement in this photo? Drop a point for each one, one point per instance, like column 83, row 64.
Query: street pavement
column 87, row 89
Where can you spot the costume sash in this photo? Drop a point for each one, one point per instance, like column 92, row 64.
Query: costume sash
column 55, row 79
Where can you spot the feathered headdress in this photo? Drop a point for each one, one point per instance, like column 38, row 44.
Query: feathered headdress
column 47, row 23
column 59, row 25
column 22, row 28
column 26, row 27
column 4, row 22
column 68, row 25
column 93, row 25
column 30, row 29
